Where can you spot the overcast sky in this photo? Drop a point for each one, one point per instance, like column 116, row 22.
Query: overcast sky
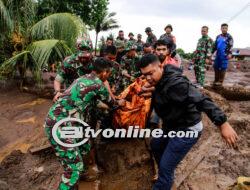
column 186, row 17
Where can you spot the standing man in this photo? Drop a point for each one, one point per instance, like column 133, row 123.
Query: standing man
column 109, row 42
column 223, row 47
column 139, row 43
column 120, row 37
column 128, row 66
column 168, row 35
column 131, row 37
column 179, row 104
column 202, row 56
column 115, row 79
column 74, row 66
column 120, row 46
column 163, row 50
column 131, row 41
column 151, row 39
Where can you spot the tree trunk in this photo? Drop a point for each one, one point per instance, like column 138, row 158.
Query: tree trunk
column 96, row 39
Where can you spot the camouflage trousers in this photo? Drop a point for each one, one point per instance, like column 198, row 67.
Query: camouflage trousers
column 71, row 159
column 199, row 69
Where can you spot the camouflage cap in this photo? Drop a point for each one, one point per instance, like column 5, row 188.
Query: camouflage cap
column 130, row 34
column 84, row 43
column 86, row 55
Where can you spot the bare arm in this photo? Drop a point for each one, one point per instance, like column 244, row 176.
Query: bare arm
column 57, row 88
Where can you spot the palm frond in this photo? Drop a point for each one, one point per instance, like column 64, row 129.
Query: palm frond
column 45, row 52
column 61, row 26
column 112, row 14
column 22, row 13
column 6, row 24
column 37, row 55
column 9, row 67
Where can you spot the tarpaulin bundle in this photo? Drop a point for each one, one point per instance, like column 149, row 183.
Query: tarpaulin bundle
column 136, row 108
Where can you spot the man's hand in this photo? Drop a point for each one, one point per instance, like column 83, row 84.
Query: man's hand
column 102, row 105
column 147, row 90
column 229, row 134
column 58, row 94
column 121, row 102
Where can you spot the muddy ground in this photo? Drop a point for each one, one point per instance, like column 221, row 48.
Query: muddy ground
column 126, row 165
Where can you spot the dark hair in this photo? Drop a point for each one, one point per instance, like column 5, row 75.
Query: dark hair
column 120, row 31
column 110, row 50
column 224, row 24
column 147, row 45
column 164, row 42
column 205, row 27
column 109, row 38
column 147, row 60
column 101, row 64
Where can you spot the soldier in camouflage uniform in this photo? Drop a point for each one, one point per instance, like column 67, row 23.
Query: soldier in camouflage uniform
column 120, row 38
column 131, row 39
column 128, row 66
column 76, row 102
column 202, row 56
column 151, row 39
column 115, row 79
column 139, row 43
column 74, row 66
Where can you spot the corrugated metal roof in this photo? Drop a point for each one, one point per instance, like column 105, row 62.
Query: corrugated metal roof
column 241, row 51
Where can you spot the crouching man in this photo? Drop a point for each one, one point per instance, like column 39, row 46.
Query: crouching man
column 179, row 104
column 76, row 102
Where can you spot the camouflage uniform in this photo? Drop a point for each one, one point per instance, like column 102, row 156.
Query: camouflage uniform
column 75, row 102
column 128, row 65
column 203, row 52
column 130, row 43
column 119, row 41
column 72, row 69
column 115, row 79
column 151, row 39
column 139, row 45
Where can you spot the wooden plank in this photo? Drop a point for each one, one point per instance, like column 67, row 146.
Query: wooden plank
column 34, row 150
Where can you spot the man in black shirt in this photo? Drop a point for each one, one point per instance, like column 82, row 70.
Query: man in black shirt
column 179, row 104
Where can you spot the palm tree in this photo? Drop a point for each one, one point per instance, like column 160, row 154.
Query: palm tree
column 107, row 22
column 37, row 44
column 5, row 20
